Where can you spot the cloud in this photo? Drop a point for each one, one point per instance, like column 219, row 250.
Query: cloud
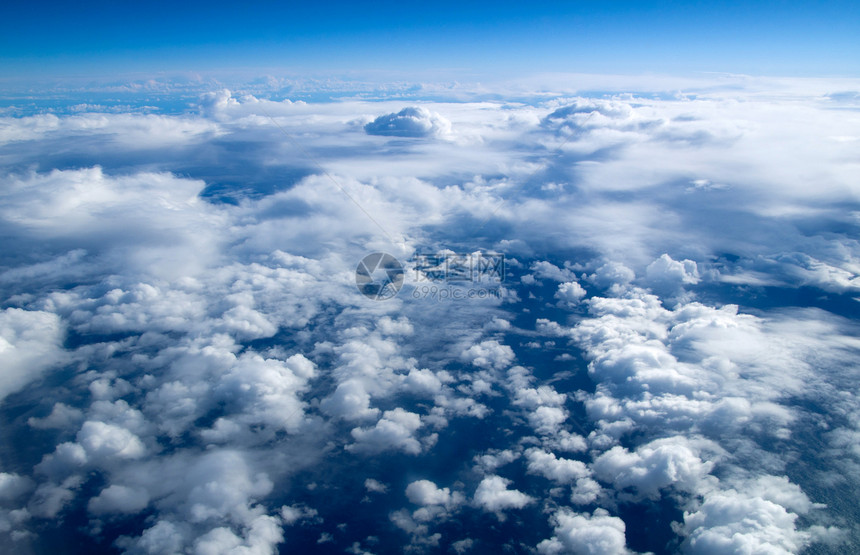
column 293, row 514
column 101, row 440
column 119, row 499
column 209, row 360
column 667, row 276
column 30, row 344
column 394, row 431
column 375, row 486
column 570, row 293
column 489, row 354
column 13, row 486
column 425, row 492
column 547, row 270
column 463, row 546
column 561, row 471
column 413, row 122
column 494, row 496
column 587, row 534
column 612, row 274
column 656, row 465
column 733, row 522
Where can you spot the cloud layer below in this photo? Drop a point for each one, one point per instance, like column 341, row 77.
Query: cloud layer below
column 675, row 335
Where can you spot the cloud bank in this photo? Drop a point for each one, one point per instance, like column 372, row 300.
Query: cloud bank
column 675, row 335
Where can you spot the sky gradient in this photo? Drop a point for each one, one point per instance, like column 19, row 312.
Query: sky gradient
column 765, row 38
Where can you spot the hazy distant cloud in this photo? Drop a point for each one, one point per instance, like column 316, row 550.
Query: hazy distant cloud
column 119, row 499
column 414, row 121
column 375, row 486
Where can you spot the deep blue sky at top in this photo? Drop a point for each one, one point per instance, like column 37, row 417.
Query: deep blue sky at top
column 771, row 38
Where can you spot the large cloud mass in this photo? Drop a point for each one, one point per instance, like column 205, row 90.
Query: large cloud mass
column 187, row 366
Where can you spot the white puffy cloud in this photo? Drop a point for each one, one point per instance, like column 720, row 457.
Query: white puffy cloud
column 350, row 400
column 425, row 492
column 422, row 382
column 494, row 496
column 570, row 293
column 586, row 534
column 489, row 354
column 98, row 210
column 733, row 522
column 612, row 274
column 559, row 470
column 490, row 461
column 567, row 441
column 262, row 536
column 547, row 270
column 414, row 121
column 105, row 441
column 268, row 390
column 667, row 276
column 585, row 491
column 656, row 465
column 435, row 502
column 394, row 431
column 547, row 420
column 163, row 537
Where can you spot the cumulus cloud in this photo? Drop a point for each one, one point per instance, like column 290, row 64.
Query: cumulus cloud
column 587, row 534
column 570, row 293
column 434, row 502
column 562, row 471
column 494, row 496
column 394, row 431
column 667, row 276
column 425, row 492
column 733, row 522
column 414, row 121
column 661, row 463
column 489, row 354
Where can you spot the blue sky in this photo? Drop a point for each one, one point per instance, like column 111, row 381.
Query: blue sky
column 770, row 38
